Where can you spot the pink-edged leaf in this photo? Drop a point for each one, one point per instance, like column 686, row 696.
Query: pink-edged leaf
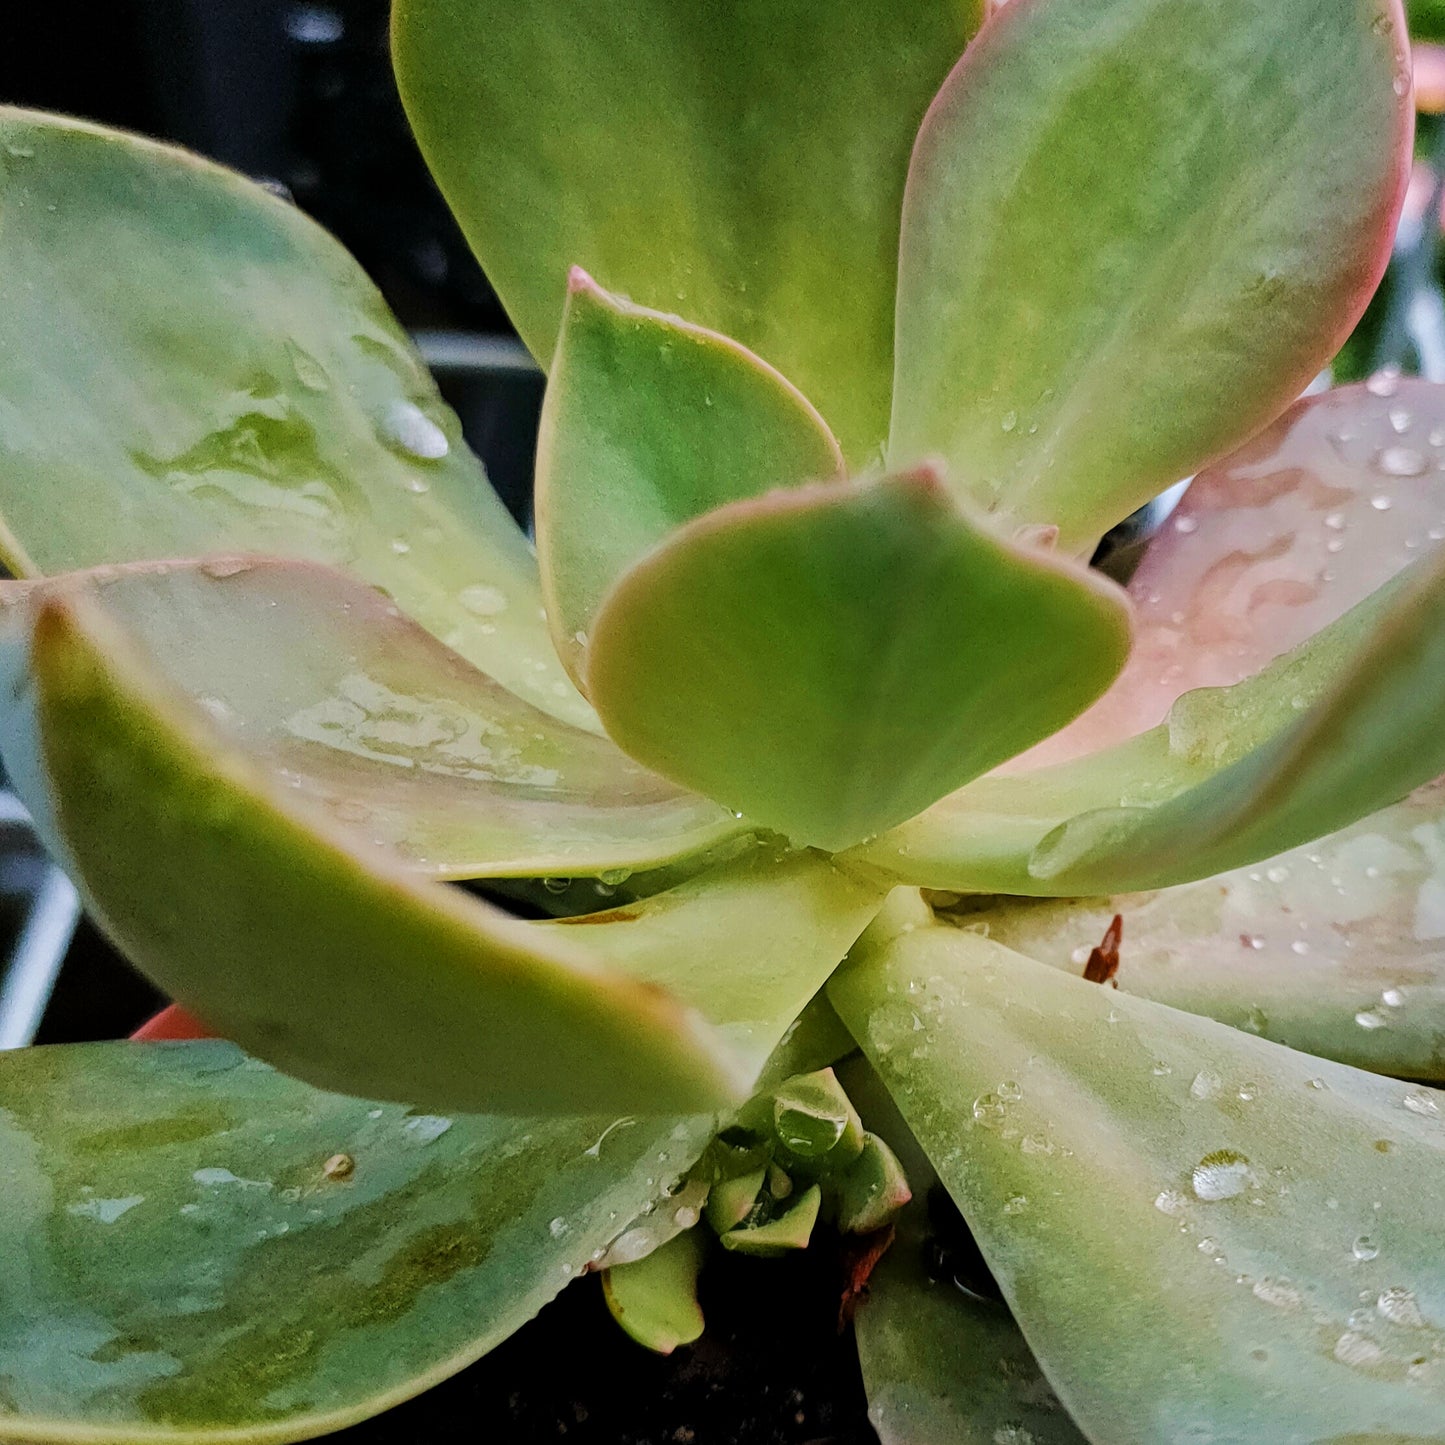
column 1133, row 231
column 868, row 646
column 650, row 421
column 1270, row 545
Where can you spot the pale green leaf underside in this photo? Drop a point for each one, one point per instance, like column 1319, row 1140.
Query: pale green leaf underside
column 1336, row 948
column 765, row 207
column 189, row 365
column 1134, row 230
column 1340, row 727
column 748, row 944
column 649, row 422
column 868, row 647
column 177, row 1264
column 320, row 681
column 1251, row 1237
column 302, row 943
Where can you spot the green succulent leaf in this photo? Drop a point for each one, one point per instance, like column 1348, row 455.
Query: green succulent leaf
column 1253, row 1243
column 189, row 365
column 648, row 423
column 1344, row 725
column 1272, row 544
column 1133, row 231
column 322, row 683
column 748, row 944
column 789, row 1230
column 766, row 207
column 655, row 1299
column 941, row 1367
column 300, row 941
column 194, row 1247
column 1336, row 948
column 869, row 647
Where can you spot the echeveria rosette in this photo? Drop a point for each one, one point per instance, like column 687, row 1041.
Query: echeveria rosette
column 258, row 769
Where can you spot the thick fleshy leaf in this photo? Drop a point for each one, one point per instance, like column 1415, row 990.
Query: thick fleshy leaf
column 195, row 1247
column 743, row 163
column 1344, row 725
column 869, row 647
column 1272, row 544
column 1336, row 948
column 748, row 944
column 649, row 422
column 1202, row 1234
column 655, row 1298
column 941, row 1367
column 303, row 944
column 189, row 365
column 1134, row 230
column 319, row 680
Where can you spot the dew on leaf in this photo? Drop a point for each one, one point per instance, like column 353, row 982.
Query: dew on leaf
column 1222, row 1174
column 1365, row 1248
column 408, row 429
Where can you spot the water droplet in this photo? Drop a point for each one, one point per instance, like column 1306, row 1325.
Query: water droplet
column 1186, row 525
column 1401, row 83
column 1161, row 1069
column 556, row 885
column 1421, row 1102
column 1251, row 940
column 1384, row 383
column 1371, row 1019
column 1249, row 1092
column 1300, row 947
column 1170, row 1201
column 1010, row 420
column 1010, row 1092
column 557, row 1227
column 1016, row 1204
column 614, row 877
column 482, row 600
column 1357, row 1350
column 1277, row 874
column 1365, row 1248
column 1401, row 462
column 339, row 1166
column 1205, row 1086
column 424, row 1129
column 400, row 546
column 1399, row 1305
column 1335, row 521
column 1279, row 1293
column 309, row 372
column 989, row 1110
column 1400, row 420
column 408, row 429
column 1381, row 503
column 1393, row 998
column 1222, row 1174
column 104, row 1211
column 1317, row 1084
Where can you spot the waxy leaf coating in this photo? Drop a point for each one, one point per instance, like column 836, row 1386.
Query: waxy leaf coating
column 649, row 422
column 1197, row 1230
column 827, row 660
column 743, row 163
column 322, row 682
column 190, row 365
column 1133, row 232
column 297, row 941
column 196, row 1248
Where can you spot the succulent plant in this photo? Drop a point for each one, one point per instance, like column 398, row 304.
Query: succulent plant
column 809, row 718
